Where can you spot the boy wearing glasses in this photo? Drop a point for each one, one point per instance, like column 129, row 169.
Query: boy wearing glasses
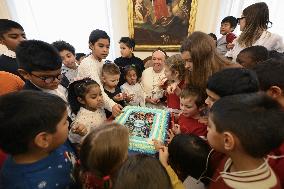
column 40, row 64
column 228, row 25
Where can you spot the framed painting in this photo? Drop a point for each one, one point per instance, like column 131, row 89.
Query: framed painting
column 160, row 23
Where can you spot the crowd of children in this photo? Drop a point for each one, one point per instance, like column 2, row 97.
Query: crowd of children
column 226, row 95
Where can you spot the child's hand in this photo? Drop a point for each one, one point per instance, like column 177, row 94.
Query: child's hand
column 152, row 100
column 170, row 136
column 157, row 144
column 79, row 129
column 116, row 110
column 129, row 97
column 176, row 129
column 163, row 81
column 171, row 88
column 230, row 46
column 118, row 97
column 203, row 120
column 164, row 156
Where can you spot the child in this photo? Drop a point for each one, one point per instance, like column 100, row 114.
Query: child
column 133, row 89
column 174, row 72
column 213, row 37
column 11, row 35
column 246, row 128
column 251, row 56
column 191, row 104
column 270, row 74
column 228, row 25
column 86, row 102
column 254, row 23
column 127, row 58
column 80, row 57
column 40, row 64
column 91, row 66
column 185, row 55
column 34, row 133
column 67, row 54
column 230, row 82
column 102, row 153
column 188, row 156
column 141, row 171
column 110, row 79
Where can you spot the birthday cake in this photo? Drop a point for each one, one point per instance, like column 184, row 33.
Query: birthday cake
column 144, row 124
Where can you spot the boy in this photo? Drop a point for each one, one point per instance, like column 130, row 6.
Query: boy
column 246, row 128
column 34, row 133
column 127, row 58
column 11, row 35
column 251, row 56
column 270, row 74
column 91, row 66
column 110, row 79
column 230, row 82
column 67, row 54
column 40, row 64
column 191, row 102
column 228, row 25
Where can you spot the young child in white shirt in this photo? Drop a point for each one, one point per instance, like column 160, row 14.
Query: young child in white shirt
column 132, row 88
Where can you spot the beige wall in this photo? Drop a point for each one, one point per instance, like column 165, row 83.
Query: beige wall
column 206, row 20
column 4, row 12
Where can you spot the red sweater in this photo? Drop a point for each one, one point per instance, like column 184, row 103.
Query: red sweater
column 277, row 164
column 188, row 125
column 173, row 99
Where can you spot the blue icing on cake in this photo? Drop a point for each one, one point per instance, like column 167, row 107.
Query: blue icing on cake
column 144, row 124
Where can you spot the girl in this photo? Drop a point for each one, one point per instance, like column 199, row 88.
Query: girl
column 133, row 89
column 254, row 24
column 86, row 102
column 127, row 58
column 174, row 71
column 102, row 153
column 205, row 59
column 142, row 172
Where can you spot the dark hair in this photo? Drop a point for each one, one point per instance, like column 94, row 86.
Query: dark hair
column 101, row 156
column 35, row 55
column 25, row 114
column 79, row 89
column 213, row 36
column 96, row 35
column 79, row 55
column 270, row 73
column 194, row 91
column 141, row 172
column 255, row 119
column 6, row 25
column 129, row 42
column 231, row 20
column 233, row 81
column 129, row 68
column 63, row 45
column 256, row 53
column 188, row 155
column 275, row 54
column 183, row 46
column 111, row 68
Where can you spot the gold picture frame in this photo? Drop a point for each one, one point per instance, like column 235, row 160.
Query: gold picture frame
column 160, row 23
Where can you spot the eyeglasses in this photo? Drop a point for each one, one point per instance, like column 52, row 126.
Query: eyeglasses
column 239, row 19
column 49, row 79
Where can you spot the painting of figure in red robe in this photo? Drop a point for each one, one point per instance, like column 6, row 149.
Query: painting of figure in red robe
column 160, row 22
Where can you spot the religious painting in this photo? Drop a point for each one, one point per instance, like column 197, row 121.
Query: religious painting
column 160, row 23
